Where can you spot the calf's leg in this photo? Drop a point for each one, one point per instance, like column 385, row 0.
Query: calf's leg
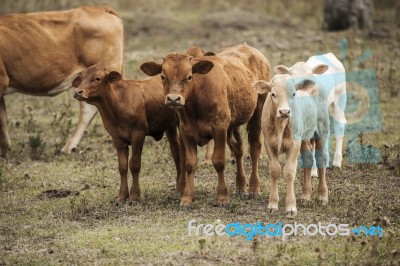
column 123, row 153
column 218, row 160
column 208, row 152
column 176, row 151
column 4, row 136
column 135, row 164
column 307, row 158
column 236, row 146
column 289, row 172
column 321, row 156
column 339, row 122
column 275, row 172
column 254, row 131
column 190, row 167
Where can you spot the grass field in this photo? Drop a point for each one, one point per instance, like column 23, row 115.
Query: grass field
column 85, row 227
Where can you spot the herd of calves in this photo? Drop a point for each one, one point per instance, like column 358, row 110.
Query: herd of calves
column 195, row 97
column 210, row 97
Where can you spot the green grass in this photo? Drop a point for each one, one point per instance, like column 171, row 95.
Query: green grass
column 89, row 229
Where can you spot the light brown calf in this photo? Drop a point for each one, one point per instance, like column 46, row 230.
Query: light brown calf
column 294, row 116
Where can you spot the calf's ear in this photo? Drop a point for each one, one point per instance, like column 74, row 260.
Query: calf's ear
column 113, row 77
column 151, row 68
column 281, row 69
column 320, row 69
column 77, row 81
column 262, row 86
column 202, row 67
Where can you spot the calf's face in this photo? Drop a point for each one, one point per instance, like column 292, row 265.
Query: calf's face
column 283, row 89
column 176, row 73
column 91, row 83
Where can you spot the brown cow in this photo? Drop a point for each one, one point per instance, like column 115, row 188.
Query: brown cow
column 41, row 53
column 130, row 110
column 213, row 97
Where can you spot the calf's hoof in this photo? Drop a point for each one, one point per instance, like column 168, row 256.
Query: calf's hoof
column 133, row 202
column 306, row 202
column 242, row 194
column 223, row 200
column 337, row 160
column 291, row 213
column 121, row 199
column 254, row 195
column 323, row 200
column 272, row 209
column 207, row 162
column 185, row 207
column 186, row 202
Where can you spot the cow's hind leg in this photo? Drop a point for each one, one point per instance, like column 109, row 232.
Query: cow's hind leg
column 208, row 152
column 321, row 157
column 339, row 122
column 307, row 158
column 4, row 136
column 254, row 132
column 87, row 113
column 236, row 146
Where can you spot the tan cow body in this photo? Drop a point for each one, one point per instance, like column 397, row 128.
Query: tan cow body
column 130, row 110
column 213, row 98
column 41, row 53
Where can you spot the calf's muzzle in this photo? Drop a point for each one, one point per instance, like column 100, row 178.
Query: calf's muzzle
column 284, row 112
column 174, row 100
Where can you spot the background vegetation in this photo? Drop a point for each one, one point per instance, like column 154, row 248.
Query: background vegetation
column 58, row 209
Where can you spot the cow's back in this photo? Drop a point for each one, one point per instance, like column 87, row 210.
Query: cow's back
column 41, row 52
column 243, row 65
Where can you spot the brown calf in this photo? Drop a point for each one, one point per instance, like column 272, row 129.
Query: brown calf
column 213, row 97
column 130, row 110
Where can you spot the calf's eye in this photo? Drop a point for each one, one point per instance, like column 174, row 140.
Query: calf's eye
column 189, row 78
column 273, row 94
column 98, row 79
column 162, row 77
column 294, row 94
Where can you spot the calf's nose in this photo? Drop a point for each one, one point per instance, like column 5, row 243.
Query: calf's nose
column 78, row 93
column 284, row 111
column 173, row 99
